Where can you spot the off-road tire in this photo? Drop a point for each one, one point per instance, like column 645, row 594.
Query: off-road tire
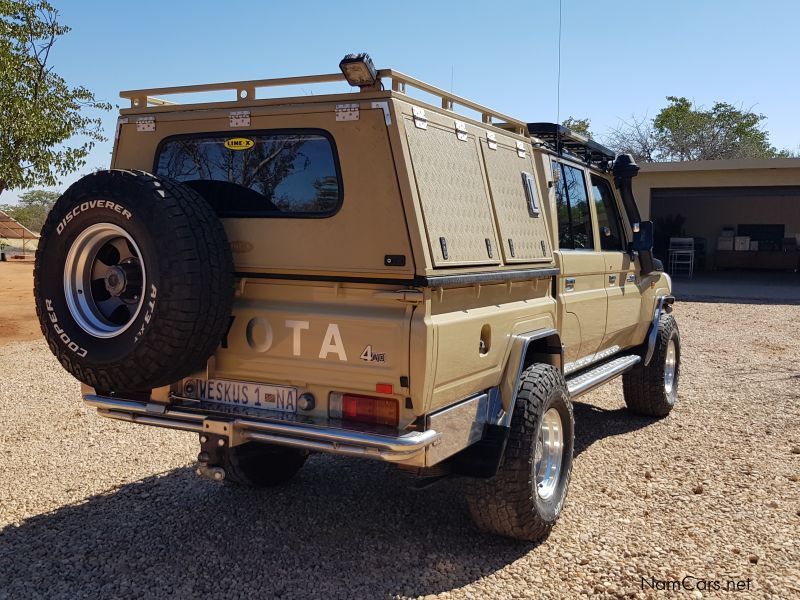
column 261, row 465
column 187, row 287
column 643, row 386
column 508, row 504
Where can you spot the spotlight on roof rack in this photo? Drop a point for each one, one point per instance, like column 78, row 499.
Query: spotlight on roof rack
column 358, row 70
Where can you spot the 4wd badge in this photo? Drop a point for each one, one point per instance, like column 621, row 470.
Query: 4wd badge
column 239, row 144
column 370, row 356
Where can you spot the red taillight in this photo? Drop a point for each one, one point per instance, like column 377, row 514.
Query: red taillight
column 364, row 409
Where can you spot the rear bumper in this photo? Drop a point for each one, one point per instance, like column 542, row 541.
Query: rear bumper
column 409, row 448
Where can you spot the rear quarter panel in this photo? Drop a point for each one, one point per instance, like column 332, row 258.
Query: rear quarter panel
column 460, row 317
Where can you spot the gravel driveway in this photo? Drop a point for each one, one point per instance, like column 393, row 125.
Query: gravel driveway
column 99, row 509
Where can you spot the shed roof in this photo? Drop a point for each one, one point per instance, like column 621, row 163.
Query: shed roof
column 12, row 229
column 721, row 165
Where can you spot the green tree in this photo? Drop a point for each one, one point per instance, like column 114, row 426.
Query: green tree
column 787, row 153
column 32, row 208
column 40, row 114
column 579, row 126
column 692, row 133
column 683, row 131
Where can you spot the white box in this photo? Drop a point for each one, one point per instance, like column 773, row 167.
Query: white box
column 753, row 244
column 741, row 242
column 725, row 243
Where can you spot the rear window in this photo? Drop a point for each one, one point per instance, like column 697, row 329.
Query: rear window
column 572, row 202
column 257, row 174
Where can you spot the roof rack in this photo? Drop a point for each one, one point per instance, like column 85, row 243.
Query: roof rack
column 245, row 92
column 401, row 82
column 559, row 139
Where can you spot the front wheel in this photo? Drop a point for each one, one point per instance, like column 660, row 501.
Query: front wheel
column 525, row 498
column 652, row 390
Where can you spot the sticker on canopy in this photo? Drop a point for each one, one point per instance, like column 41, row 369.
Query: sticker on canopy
column 239, row 143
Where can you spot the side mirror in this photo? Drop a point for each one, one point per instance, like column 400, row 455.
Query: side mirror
column 643, row 236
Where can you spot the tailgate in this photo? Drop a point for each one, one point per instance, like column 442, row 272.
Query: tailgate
column 319, row 337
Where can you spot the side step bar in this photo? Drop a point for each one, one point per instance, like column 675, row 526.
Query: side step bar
column 588, row 380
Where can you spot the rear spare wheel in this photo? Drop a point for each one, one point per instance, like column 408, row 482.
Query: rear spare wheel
column 133, row 280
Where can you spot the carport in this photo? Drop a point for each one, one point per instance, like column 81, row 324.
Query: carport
column 15, row 238
column 741, row 214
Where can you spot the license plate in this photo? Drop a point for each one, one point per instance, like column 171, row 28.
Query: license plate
column 245, row 393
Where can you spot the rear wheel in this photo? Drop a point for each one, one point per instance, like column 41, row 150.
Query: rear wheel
column 261, row 465
column 525, row 498
column 652, row 390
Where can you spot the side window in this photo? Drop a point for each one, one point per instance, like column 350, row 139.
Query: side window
column 611, row 237
column 562, row 208
column 572, row 203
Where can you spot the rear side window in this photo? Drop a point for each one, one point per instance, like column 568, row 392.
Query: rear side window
column 257, row 174
column 574, row 219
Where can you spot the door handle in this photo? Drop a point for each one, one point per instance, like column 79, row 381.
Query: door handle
column 569, row 284
column 612, row 280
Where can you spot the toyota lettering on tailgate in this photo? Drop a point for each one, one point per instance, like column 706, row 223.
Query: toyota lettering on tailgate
column 259, row 334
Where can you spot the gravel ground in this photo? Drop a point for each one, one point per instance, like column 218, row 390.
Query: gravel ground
column 99, row 509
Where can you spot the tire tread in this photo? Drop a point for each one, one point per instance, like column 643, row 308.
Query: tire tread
column 194, row 300
column 503, row 504
column 643, row 386
column 261, row 465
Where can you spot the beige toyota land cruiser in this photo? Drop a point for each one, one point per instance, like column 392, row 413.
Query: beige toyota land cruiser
column 425, row 282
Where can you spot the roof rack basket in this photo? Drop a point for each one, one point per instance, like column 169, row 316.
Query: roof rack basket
column 561, row 139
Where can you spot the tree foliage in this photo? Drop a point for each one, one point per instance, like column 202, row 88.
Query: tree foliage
column 683, row 131
column 32, row 208
column 40, row 114
column 579, row 126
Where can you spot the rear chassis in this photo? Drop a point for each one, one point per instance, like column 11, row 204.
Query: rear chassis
column 439, row 435
column 427, row 441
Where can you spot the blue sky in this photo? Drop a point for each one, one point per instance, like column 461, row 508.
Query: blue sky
column 618, row 58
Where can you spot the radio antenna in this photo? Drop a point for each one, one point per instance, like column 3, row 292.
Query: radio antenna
column 558, row 85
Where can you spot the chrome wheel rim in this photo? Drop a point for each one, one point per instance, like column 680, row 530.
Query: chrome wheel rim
column 669, row 367
column 548, row 455
column 104, row 277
